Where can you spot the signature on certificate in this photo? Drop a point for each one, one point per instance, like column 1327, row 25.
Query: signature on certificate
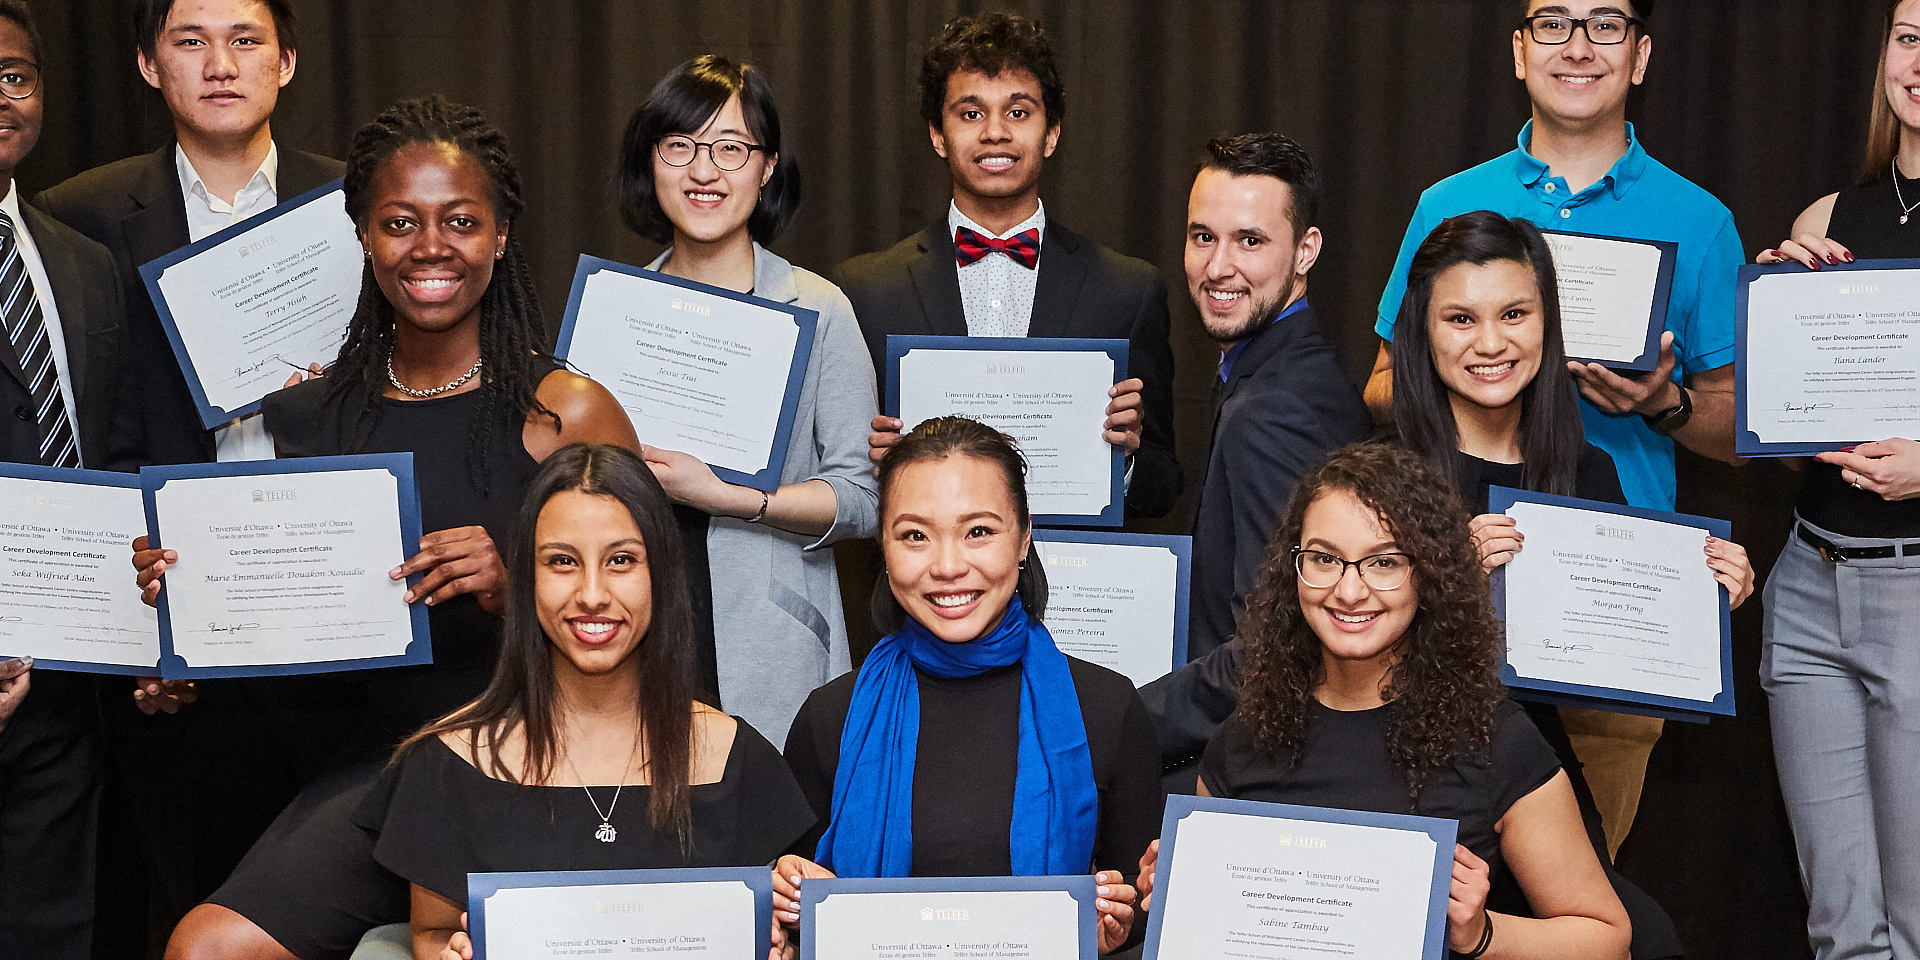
column 231, row 627
column 1564, row 647
column 1792, row 407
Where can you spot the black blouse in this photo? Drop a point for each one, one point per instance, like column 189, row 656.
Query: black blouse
column 968, row 754
column 437, row 819
column 1344, row 765
column 1594, row 479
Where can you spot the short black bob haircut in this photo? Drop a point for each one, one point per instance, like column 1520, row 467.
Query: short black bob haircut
column 682, row 103
column 1277, row 156
column 150, row 16
column 16, row 11
column 990, row 43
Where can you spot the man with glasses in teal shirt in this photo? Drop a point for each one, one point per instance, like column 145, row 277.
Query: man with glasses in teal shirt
column 1579, row 168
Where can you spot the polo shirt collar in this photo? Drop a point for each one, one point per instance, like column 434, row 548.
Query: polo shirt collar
column 1625, row 172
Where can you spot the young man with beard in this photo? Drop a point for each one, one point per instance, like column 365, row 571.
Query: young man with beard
column 202, row 783
column 997, row 265
column 62, row 324
column 1579, row 167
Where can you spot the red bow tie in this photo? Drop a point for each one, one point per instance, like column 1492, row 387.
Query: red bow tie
column 1022, row 248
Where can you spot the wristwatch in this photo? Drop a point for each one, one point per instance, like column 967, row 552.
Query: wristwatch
column 1673, row 418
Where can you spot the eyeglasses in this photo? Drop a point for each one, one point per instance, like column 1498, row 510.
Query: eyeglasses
column 19, row 80
column 1382, row 571
column 1606, row 30
column 728, row 155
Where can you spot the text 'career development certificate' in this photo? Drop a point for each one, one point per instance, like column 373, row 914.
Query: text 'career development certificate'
column 1826, row 359
column 949, row 918
column 66, row 597
column 1049, row 395
column 283, row 565
column 715, row 913
column 1270, row 881
column 1614, row 607
column 708, row 372
column 245, row 307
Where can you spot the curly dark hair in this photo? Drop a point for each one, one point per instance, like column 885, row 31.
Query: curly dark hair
column 510, row 324
column 990, row 43
column 1444, row 688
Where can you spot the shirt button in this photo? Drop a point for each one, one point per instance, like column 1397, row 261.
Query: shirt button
column 1550, row 188
column 1565, row 213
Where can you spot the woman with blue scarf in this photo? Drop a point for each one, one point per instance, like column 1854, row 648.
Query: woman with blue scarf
column 968, row 744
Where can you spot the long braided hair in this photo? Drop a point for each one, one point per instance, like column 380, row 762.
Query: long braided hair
column 510, row 323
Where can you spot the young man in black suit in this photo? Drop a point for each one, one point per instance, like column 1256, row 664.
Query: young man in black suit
column 61, row 331
column 204, row 782
column 997, row 265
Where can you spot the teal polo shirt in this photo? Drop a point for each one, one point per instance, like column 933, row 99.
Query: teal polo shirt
column 1639, row 198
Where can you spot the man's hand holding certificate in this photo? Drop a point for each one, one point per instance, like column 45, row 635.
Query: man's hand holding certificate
column 246, row 304
column 1615, row 606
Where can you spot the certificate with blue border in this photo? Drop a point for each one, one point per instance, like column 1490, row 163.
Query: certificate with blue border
column 724, row 913
column 1118, row 599
column 1049, row 394
column 1615, row 605
column 65, row 597
column 949, row 918
column 700, row 369
column 264, row 297
column 1825, row 359
column 1614, row 293
column 1243, row 878
column 286, row 554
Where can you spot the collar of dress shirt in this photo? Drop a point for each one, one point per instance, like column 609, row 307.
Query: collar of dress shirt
column 263, row 180
column 956, row 219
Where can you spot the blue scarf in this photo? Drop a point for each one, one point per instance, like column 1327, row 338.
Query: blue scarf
column 1055, row 803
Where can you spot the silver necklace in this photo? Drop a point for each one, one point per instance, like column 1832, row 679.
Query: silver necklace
column 422, row 394
column 606, row 833
column 1905, row 210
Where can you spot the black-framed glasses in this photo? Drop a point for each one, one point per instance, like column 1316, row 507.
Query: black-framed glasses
column 1605, row 30
column 727, row 154
column 19, row 79
column 1382, row 571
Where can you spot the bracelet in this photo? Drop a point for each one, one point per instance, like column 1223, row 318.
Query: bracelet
column 762, row 515
column 1486, row 940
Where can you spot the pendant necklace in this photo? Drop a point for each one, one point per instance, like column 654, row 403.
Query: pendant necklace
column 606, row 833
column 436, row 391
column 1905, row 210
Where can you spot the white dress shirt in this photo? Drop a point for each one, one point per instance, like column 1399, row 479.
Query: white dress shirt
column 995, row 292
column 245, row 438
column 49, row 313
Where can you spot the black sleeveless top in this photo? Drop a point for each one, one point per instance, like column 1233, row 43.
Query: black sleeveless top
column 1867, row 220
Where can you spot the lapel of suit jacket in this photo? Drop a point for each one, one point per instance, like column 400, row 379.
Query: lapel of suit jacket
column 1063, row 266
column 159, row 226
column 1269, row 341
column 936, row 277
column 69, row 295
column 299, row 173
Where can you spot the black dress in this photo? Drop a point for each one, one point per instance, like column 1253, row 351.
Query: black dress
column 968, row 756
column 1344, row 764
column 1866, row 219
column 438, row 819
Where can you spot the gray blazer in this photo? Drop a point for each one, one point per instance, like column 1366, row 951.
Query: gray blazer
column 778, row 629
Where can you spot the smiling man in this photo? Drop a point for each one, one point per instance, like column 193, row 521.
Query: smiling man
column 997, row 265
column 203, row 783
column 1579, row 167
column 1282, row 403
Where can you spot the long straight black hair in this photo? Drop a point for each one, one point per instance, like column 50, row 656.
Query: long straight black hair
column 1552, row 437
column 939, row 439
column 523, row 693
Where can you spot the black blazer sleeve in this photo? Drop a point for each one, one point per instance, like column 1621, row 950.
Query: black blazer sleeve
column 1189, row 704
column 1157, row 481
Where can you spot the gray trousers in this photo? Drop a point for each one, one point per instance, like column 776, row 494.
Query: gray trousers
column 1841, row 667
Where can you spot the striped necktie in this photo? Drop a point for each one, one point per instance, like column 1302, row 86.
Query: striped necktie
column 33, row 348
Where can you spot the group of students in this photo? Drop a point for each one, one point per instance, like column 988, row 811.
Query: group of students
column 594, row 599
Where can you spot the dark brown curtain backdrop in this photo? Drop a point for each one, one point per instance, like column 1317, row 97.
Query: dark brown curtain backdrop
column 1762, row 102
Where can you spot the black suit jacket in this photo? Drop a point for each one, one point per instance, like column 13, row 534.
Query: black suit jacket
column 93, row 325
column 135, row 209
column 1084, row 290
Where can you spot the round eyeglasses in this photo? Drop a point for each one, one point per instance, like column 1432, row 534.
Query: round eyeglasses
column 1321, row 570
column 1606, row 30
column 19, row 79
column 727, row 154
